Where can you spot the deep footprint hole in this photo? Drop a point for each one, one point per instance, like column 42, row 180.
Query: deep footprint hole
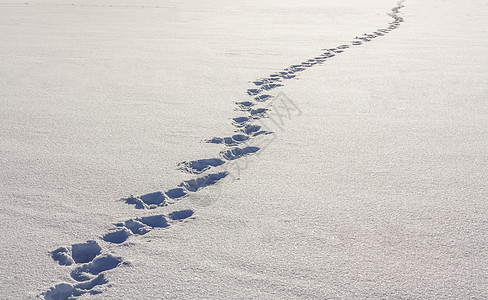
column 181, row 215
column 85, row 252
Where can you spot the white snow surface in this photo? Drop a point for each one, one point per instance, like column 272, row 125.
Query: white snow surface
column 375, row 188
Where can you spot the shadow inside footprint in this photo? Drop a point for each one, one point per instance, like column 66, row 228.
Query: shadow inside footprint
column 151, row 200
column 181, row 215
column 61, row 291
column 240, row 121
column 253, row 92
column 239, row 152
column 156, row 198
column 154, row 221
column 194, row 185
column 200, row 166
column 99, row 280
column 229, row 141
column 262, row 98
column 176, row 193
column 62, row 256
column 99, row 264
column 250, row 129
column 85, row 252
column 117, row 236
column 138, row 203
column 136, row 227
column 65, row 291
column 244, row 105
column 218, row 140
column 258, row 112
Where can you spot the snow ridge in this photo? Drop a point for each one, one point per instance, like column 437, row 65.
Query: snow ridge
column 87, row 262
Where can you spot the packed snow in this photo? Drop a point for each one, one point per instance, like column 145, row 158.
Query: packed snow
column 244, row 149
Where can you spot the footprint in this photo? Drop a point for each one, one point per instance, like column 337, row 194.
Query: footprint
column 240, row 121
column 181, row 215
column 253, row 92
column 152, row 199
column 157, row 221
column 176, row 193
column 66, row 291
column 270, row 86
column 240, row 137
column 251, row 129
column 245, row 105
column 239, row 152
column 255, row 130
column 218, row 140
column 297, row 68
column 196, row 184
column 117, row 236
column 270, row 80
column 85, row 252
column 307, row 65
column 77, row 253
column 156, row 198
column 62, row 256
column 229, row 141
column 258, row 113
column 290, row 76
column 136, row 227
column 200, row 166
column 88, row 273
column 99, row 264
column 62, row 291
column 138, row 203
column 181, row 191
column 143, row 225
column 262, row 98
column 89, row 285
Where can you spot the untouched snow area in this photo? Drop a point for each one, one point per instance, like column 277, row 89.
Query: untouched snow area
column 244, row 150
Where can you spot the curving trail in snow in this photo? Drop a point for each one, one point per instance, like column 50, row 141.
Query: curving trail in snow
column 87, row 262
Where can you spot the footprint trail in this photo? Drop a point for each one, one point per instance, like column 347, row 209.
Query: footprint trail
column 237, row 144
column 88, row 262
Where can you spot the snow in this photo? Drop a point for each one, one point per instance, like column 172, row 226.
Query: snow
column 258, row 149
